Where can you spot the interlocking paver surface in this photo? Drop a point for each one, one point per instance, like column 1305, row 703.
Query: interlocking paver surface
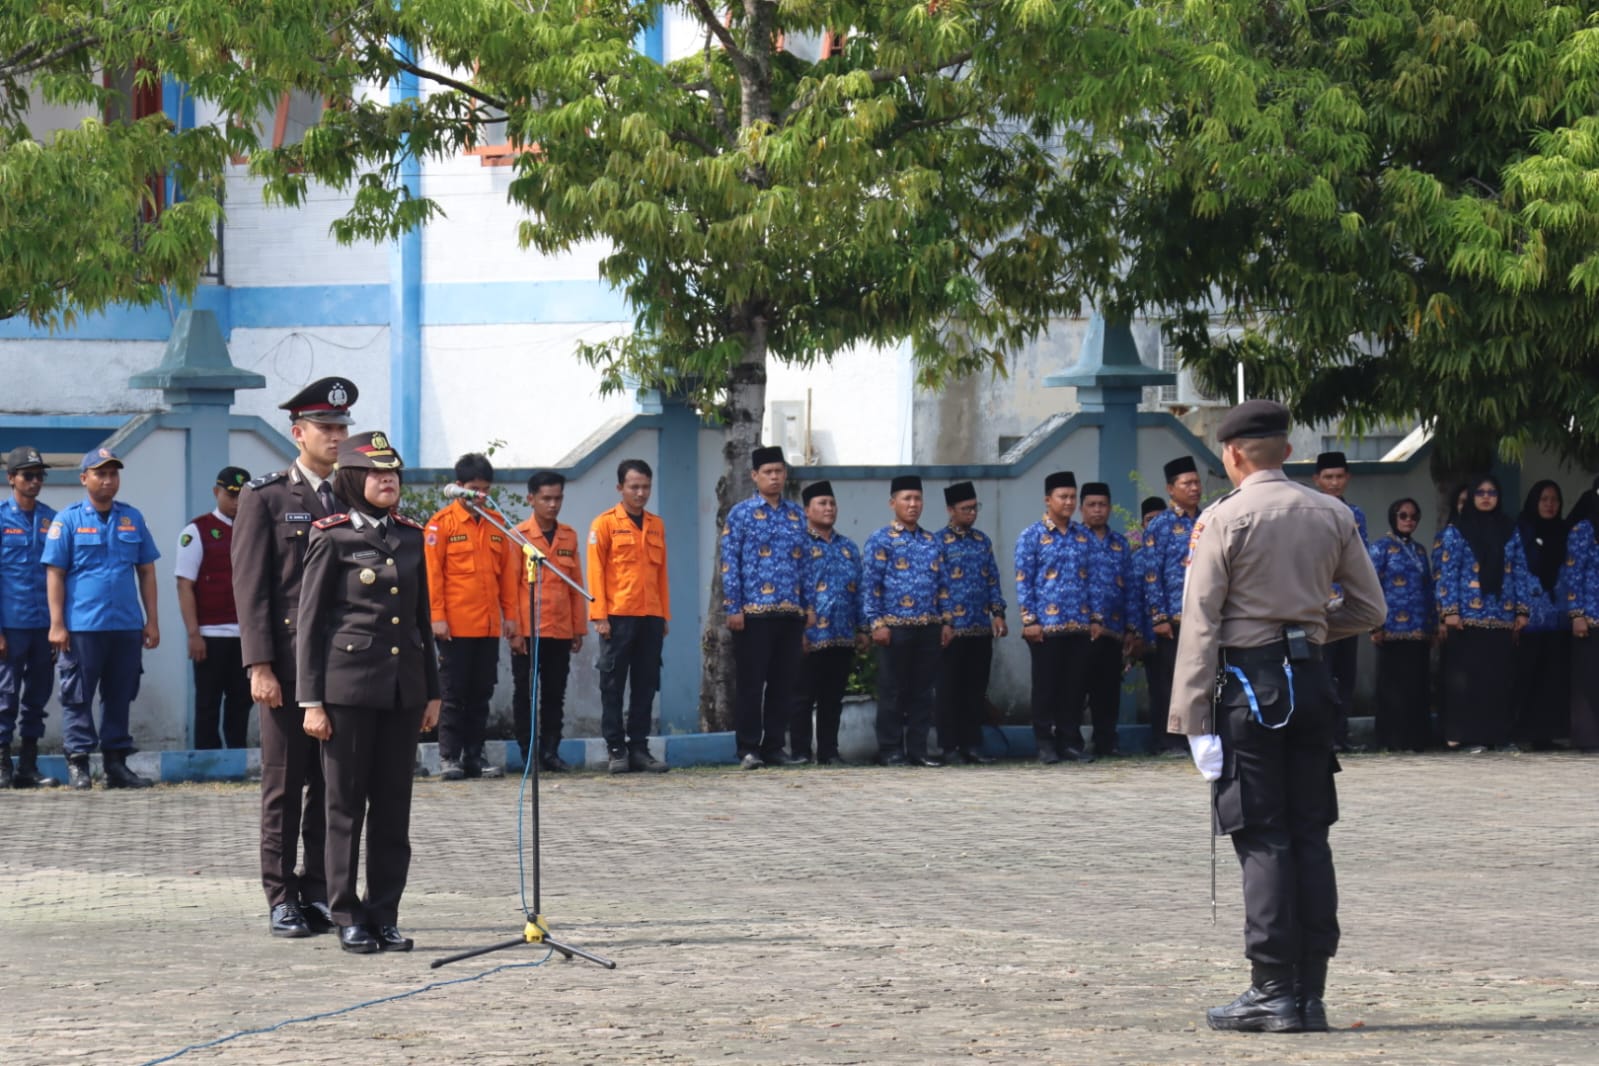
column 1013, row 914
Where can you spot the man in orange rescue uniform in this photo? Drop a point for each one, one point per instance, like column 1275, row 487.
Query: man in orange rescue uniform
column 563, row 619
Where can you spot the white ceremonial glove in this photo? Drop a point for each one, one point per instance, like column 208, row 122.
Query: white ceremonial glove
column 1206, row 750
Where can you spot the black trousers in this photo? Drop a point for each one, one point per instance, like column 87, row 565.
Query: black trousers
column 1543, row 686
column 1343, row 660
column 630, row 660
column 1277, row 799
column 368, row 765
column 823, row 675
column 1585, row 693
column 1102, row 680
column 906, row 671
column 766, row 660
column 293, row 807
column 1060, row 664
column 1404, row 685
column 555, row 664
column 1158, row 669
column 468, row 668
column 962, row 702
column 221, row 696
column 1479, row 679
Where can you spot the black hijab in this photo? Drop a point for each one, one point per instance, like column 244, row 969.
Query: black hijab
column 1543, row 539
column 1452, row 515
column 1586, row 509
column 1487, row 532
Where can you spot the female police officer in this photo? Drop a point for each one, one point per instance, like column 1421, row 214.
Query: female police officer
column 369, row 684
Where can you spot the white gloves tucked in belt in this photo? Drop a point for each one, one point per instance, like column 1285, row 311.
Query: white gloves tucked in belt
column 1206, row 750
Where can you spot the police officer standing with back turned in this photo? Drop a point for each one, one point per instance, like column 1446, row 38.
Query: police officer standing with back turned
column 1252, row 692
column 270, row 534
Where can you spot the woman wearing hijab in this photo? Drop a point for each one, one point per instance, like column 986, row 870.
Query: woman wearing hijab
column 1582, row 606
column 1404, row 642
column 1543, row 648
column 1482, row 599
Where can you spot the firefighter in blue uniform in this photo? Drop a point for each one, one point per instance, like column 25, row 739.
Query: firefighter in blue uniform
column 25, row 666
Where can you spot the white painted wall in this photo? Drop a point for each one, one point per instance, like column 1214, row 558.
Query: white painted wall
column 860, row 404
column 71, row 377
column 265, row 244
column 291, row 359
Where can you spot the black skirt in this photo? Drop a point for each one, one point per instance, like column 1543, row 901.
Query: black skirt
column 1543, row 686
column 1585, row 693
column 1404, row 684
column 1479, row 681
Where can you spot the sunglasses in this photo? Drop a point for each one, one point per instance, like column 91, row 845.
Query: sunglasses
column 1404, row 515
column 31, row 475
column 1487, row 492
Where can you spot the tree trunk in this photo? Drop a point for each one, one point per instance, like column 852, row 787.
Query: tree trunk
column 1450, row 468
column 746, row 406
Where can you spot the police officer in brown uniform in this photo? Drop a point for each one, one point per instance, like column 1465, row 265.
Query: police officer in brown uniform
column 368, row 684
column 1253, row 694
column 270, row 534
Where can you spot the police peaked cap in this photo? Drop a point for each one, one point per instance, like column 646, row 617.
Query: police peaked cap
column 327, row 400
column 369, row 451
column 1252, row 420
column 959, row 493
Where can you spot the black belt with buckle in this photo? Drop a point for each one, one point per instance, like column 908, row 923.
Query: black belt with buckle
column 1264, row 655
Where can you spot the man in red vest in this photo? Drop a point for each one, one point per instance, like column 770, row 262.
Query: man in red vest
column 204, row 568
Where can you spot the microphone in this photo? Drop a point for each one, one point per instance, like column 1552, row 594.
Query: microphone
column 461, row 492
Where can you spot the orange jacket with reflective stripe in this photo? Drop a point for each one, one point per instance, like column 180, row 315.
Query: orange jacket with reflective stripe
column 627, row 566
column 562, row 611
column 474, row 577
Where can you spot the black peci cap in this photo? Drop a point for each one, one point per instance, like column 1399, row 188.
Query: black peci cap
column 1060, row 479
column 369, row 451
column 762, row 456
column 1331, row 461
column 959, row 492
column 1094, row 488
column 327, row 400
column 1151, row 505
column 815, row 489
column 905, row 483
column 1183, row 464
column 1252, row 420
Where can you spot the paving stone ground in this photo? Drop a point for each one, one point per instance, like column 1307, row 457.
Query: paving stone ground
column 1013, row 914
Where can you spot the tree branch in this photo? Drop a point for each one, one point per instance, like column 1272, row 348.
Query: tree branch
column 470, row 90
column 24, row 67
column 713, row 25
column 879, row 76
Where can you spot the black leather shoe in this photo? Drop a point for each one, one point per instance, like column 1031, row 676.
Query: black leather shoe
column 389, row 938
column 78, row 778
column 117, row 774
column 1076, row 755
column 644, row 762
column 318, row 916
column 973, row 757
column 893, row 758
column 1267, row 1006
column 1310, row 987
column 830, row 760
column 1048, row 756
column 783, row 758
column 289, row 921
column 357, row 940
column 926, row 760
column 553, row 764
column 751, row 761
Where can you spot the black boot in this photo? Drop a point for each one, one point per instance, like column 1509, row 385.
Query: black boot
column 5, row 766
column 117, row 774
column 1312, row 987
column 1268, row 1006
column 78, row 778
column 28, row 775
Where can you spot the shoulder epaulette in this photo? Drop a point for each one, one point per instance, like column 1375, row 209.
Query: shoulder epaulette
column 267, row 479
column 406, row 520
column 330, row 521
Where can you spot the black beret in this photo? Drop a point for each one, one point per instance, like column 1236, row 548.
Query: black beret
column 1331, row 461
column 1094, row 488
column 1180, row 466
column 959, row 493
column 815, row 489
column 905, row 483
column 1151, row 505
column 1060, row 479
column 1254, row 419
column 762, row 456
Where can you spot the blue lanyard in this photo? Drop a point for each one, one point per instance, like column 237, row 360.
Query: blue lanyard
column 1254, row 704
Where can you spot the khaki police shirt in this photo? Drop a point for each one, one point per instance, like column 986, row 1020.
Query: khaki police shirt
column 1260, row 558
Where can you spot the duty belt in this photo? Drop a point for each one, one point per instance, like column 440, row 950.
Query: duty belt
column 1264, row 655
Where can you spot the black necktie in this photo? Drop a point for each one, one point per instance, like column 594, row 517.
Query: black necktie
column 324, row 492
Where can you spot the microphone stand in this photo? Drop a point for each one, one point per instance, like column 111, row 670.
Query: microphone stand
column 535, row 930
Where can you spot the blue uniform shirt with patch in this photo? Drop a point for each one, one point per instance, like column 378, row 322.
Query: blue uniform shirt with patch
column 1110, row 572
column 762, row 548
column 1164, row 559
column 1546, row 609
column 832, row 576
column 1405, row 574
column 903, row 579
column 1052, row 577
column 975, row 598
column 23, row 602
column 99, row 556
column 1458, row 587
column 1581, row 573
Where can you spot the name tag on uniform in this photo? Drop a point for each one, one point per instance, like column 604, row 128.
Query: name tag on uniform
column 565, row 551
column 458, row 538
column 297, row 516
column 370, row 553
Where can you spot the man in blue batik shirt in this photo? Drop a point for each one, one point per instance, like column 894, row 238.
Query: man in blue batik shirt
column 906, row 592
column 100, row 575
column 835, row 631
column 25, row 666
column 1163, row 559
column 977, row 616
column 1343, row 656
column 763, row 547
column 1112, row 628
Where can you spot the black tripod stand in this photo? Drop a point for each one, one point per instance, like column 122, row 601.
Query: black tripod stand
column 535, row 930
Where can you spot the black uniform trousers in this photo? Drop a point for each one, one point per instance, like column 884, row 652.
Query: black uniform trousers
column 1543, row 686
column 368, row 765
column 962, row 704
column 823, row 676
column 221, row 696
column 292, row 802
column 1585, row 693
column 766, row 662
column 1343, row 661
column 1404, row 684
column 1102, row 680
column 468, row 668
column 1158, row 670
column 1060, row 663
column 1277, row 800
column 555, row 663
column 906, row 672
column 630, row 660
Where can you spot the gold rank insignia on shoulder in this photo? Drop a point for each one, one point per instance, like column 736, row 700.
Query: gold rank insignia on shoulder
column 367, row 576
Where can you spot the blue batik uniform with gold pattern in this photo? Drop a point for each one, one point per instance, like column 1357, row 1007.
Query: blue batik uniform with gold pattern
column 1581, row 573
column 1460, row 592
column 832, row 574
column 903, row 578
column 1110, row 572
column 974, row 594
column 763, row 550
column 1164, row 558
column 1406, row 576
column 1360, row 524
column 1052, row 577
